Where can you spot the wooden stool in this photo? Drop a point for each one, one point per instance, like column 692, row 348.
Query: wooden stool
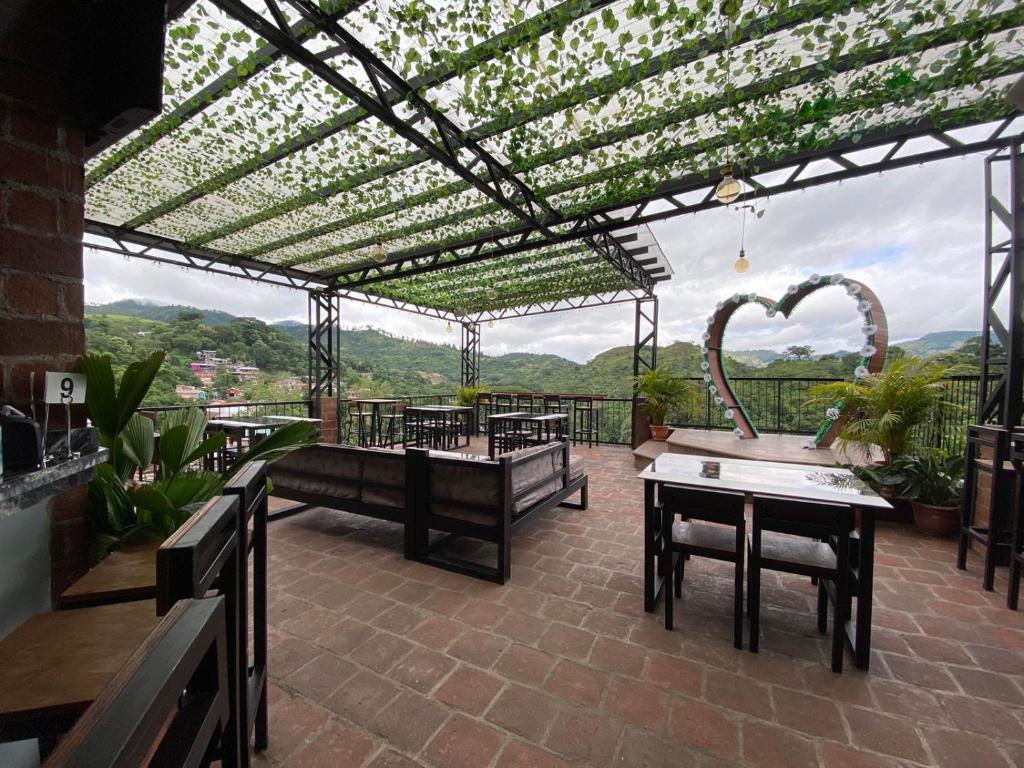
column 123, row 576
column 56, row 663
column 141, row 712
column 988, row 487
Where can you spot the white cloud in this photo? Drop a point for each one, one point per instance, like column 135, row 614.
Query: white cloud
column 914, row 235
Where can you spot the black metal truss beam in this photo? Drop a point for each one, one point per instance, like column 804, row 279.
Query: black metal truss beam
column 559, row 305
column 164, row 250
column 667, row 201
column 470, row 354
column 493, row 180
column 1004, row 278
column 544, row 23
column 258, row 61
column 645, row 350
column 496, row 181
column 324, row 346
column 403, row 306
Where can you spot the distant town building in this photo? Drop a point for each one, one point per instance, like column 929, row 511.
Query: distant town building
column 291, row 383
column 188, row 392
column 207, row 365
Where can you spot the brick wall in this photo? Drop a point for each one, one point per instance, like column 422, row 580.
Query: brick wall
column 41, row 219
column 329, row 419
column 41, row 305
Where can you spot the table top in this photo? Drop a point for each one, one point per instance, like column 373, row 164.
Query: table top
column 439, row 408
column 290, row 419
column 769, row 477
column 237, row 424
column 523, row 416
column 376, row 401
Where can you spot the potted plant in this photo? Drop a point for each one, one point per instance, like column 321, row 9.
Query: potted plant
column 662, row 392
column 885, row 408
column 934, row 484
column 468, row 397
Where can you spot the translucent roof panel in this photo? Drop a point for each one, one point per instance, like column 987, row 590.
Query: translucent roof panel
column 348, row 130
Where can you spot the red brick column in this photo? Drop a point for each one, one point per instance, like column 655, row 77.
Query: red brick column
column 41, row 220
column 41, row 305
column 329, row 419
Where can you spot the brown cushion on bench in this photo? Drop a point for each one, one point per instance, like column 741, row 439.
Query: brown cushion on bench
column 468, row 493
column 532, row 470
column 387, row 468
column 319, row 470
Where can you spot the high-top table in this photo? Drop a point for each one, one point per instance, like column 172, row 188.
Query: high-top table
column 436, row 425
column 376, row 420
column 794, row 481
column 543, row 428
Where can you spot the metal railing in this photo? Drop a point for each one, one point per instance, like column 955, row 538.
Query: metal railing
column 775, row 405
column 240, row 409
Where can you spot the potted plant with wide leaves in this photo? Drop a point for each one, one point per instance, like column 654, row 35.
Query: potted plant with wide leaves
column 122, row 510
column 933, row 481
column 884, row 409
column 662, row 392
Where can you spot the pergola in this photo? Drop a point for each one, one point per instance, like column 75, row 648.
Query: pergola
column 474, row 160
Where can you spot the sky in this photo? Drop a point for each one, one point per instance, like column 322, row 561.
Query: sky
column 914, row 235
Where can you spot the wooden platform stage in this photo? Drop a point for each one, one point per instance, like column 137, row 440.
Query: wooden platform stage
column 768, row 447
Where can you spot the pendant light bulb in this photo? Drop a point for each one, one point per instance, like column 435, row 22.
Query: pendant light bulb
column 492, row 293
column 490, row 323
column 742, row 263
column 450, row 329
column 728, row 188
column 379, row 252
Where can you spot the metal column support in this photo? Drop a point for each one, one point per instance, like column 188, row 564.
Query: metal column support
column 1003, row 336
column 470, row 355
column 645, row 347
column 324, row 346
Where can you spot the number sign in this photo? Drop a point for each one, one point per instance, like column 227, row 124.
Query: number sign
column 65, row 388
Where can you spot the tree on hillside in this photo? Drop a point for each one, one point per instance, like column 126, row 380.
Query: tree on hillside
column 797, row 352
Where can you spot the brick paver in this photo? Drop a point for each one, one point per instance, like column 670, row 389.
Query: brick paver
column 378, row 662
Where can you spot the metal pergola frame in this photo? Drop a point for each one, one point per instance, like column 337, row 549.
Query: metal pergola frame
column 437, row 138
column 1004, row 275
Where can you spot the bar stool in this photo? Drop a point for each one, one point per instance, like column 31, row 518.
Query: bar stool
column 552, row 404
column 524, row 402
column 586, row 421
column 357, row 424
column 806, row 551
column 725, row 541
column 390, row 423
column 986, row 515
column 1017, row 551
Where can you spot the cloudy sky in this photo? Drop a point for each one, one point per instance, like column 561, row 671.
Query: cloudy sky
column 915, row 236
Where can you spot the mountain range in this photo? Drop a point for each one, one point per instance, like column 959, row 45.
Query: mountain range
column 374, row 361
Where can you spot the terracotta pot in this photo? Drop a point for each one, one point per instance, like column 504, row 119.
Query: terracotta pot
column 935, row 521
column 659, row 432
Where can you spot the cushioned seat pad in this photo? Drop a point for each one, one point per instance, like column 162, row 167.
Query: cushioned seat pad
column 713, row 537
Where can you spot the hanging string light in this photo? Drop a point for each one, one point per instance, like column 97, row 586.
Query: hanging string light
column 742, row 264
column 379, row 252
column 728, row 188
column 450, row 329
column 490, row 323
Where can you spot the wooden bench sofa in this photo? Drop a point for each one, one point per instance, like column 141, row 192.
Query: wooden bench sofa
column 453, row 494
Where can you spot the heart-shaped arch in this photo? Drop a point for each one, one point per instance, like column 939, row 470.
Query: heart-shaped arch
column 876, row 344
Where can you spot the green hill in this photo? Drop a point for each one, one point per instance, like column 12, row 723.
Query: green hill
column 936, row 343
column 163, row 312
column 374, row 362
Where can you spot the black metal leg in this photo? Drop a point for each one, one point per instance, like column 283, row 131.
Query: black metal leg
column 865, row 589
column 652, row 548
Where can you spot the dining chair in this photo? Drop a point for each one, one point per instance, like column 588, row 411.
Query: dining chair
column 725, row 540
column 811, row 528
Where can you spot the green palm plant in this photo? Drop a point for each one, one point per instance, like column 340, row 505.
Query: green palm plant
column 885, row 408
column 123, row 511
column 663, row 392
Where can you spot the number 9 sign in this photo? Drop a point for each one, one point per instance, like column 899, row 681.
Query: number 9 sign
column 64, row 388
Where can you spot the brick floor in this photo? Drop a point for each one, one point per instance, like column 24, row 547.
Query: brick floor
column 376, row 661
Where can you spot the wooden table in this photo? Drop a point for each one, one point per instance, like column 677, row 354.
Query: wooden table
column 549, row 427
column 448, row 415
column 376, row 423
column 795, row 481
